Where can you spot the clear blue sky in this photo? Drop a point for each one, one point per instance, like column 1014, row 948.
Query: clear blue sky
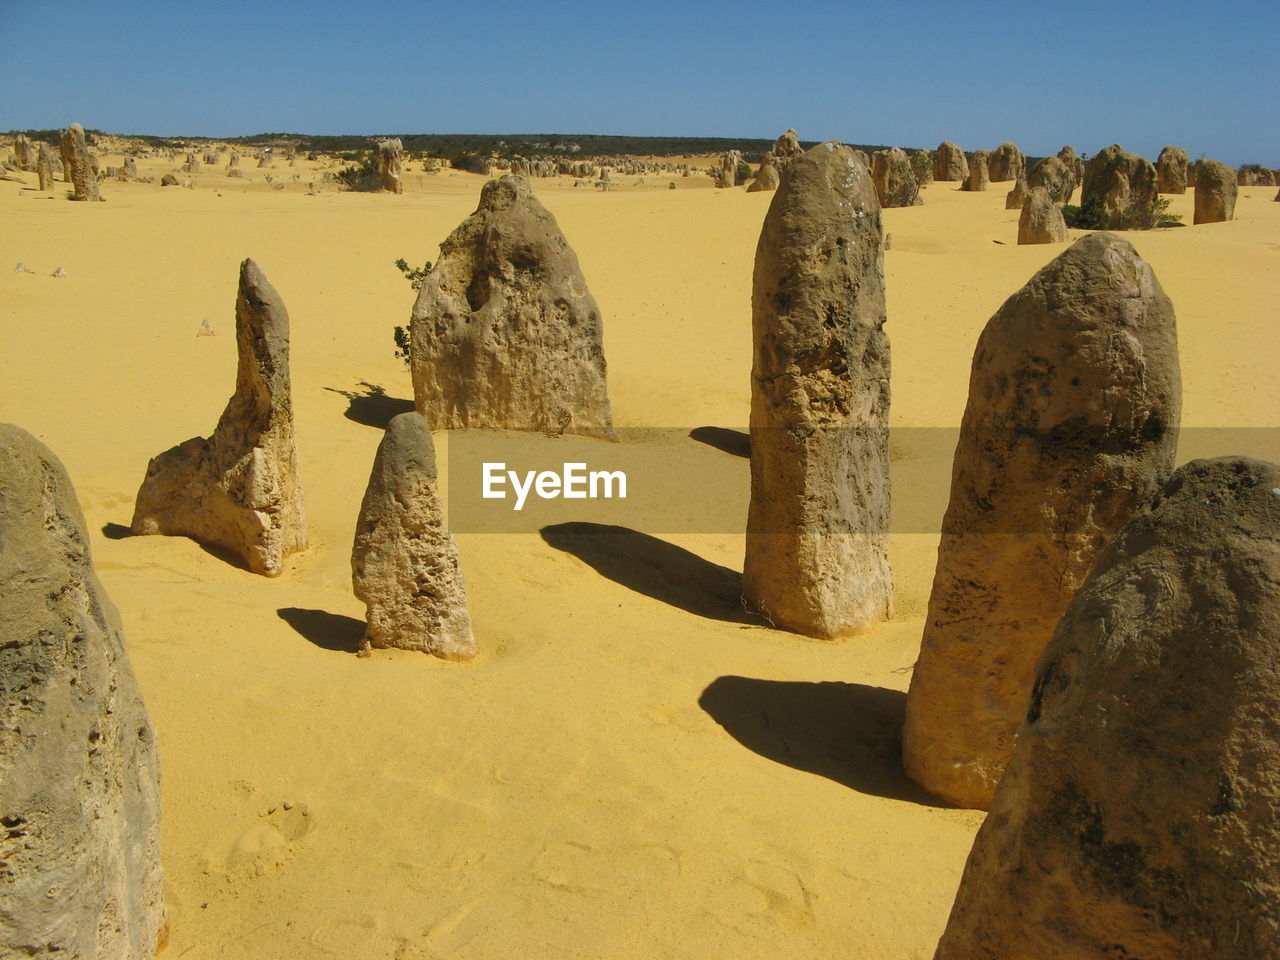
column 1200, row 75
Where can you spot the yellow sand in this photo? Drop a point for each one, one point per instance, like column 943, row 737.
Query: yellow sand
column 565, row 796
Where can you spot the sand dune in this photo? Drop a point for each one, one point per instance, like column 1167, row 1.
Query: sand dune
column 631, row 768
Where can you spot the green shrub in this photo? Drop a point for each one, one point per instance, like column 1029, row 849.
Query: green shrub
column 1091, row 216
column 362, row 176
column 415, row 276
column 1087, row 216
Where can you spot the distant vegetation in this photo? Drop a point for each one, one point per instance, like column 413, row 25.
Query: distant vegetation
column 467, row 151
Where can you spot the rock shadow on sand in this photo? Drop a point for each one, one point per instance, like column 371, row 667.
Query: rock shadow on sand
column 735, row 442
column 847, row 732
column 655, row 568
column 371, row 406
column 329, row 631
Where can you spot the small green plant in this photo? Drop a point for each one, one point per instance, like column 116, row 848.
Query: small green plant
column 743, row 174
column 1086, row 216
column 361, row 176
column 415, row 276
column 1163, row 217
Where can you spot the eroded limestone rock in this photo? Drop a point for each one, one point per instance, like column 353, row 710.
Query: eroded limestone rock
column 1071, row 425
column 404, row 564
column 1006, row 162
column 390, row 153
column 44, row 166
column 1054, row 176
column 238, row 490
column 1171, row 170
column 949, row 163
column 1138, row 814
column 1124, row 187
column 979, row 179
column 892, row 177
column 1041, row 220
column 79, row 779
column 505, row 332
column 1216, row 190
column 817, row 529
column 78, row 165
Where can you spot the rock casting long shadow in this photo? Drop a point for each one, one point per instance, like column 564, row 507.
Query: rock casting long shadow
column 655, row 568
column 846, row 732
column 329, row 631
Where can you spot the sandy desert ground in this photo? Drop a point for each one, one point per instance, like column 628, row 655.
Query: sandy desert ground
column 631, row 768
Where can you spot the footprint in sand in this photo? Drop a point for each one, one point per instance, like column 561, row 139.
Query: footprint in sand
column 764, row 892
column 271, row 841
column 581, row 868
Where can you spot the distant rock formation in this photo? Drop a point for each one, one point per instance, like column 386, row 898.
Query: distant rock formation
column 1137, row 817
column 1015, row 198
column 24, row 152
column 169, row 180
column 892, row 177
column 130, row 170
column 1075, row 163
column 239, row 489
column 1041, row 220
column 79, row 779
column 1252, row 175
column 978, row 177
column 390, row 153
column 727, row 175
column 1215, row 198
column 1006, row 163
column 817, row 527
column 1171, row 170
column 1071, row 425
column 44, row 166
column 404, row 564
column 922, row 166
column 949, row 163
column 785, row 149
column 1055, row 177
column 1124, row 187
column 766, row 178
column 78, row 165
column 505, row 332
